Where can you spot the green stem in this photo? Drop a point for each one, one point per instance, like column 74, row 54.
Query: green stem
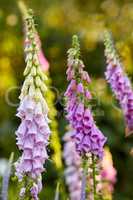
column 94, row 177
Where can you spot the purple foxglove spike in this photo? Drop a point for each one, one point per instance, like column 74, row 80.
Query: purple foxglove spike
column 119, row 82
column 79, row 114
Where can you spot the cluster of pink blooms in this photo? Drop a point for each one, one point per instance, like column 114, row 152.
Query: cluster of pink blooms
column 73, row 171
column 88, row 138
column 119, row 82
column 33, row 132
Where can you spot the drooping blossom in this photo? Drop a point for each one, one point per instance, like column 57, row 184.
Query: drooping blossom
column 119, row 82
column 73, row 167
column 33, row 132
column 87, row 136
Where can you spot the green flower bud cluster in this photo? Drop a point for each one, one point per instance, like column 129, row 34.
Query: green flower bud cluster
column 34, row 85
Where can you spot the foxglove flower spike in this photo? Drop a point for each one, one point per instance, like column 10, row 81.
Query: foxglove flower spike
column 119, row 82
column 33, row 132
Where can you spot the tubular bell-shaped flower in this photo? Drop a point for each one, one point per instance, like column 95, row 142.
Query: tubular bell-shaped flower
column 33, row 132
column 88, row 138
column 119, row 82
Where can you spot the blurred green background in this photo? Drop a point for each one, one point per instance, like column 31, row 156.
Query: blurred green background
column 57, row 21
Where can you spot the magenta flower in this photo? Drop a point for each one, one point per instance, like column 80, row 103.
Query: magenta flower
column 119, row 82
column 88, row 138
column 33, row 132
